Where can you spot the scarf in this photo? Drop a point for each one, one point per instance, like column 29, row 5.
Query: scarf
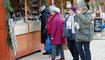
column 70, row 23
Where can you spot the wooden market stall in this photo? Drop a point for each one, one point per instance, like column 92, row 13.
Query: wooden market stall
column 28, row 33
column 27, row 28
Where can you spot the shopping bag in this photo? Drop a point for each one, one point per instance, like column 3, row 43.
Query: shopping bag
column 65, row 47
column 48, row 46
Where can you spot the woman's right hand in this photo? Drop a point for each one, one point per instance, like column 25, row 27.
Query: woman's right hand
column 52, row 38
column 45, row 27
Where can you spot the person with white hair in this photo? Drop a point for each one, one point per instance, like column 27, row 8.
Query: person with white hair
column 56, row 31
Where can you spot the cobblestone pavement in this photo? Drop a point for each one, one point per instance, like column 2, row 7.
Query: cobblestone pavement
column 97, row 51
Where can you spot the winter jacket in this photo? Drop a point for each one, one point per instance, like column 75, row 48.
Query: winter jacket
column 57, row 29
column 103, row 26
column 64, row 26
column 85, row 32
column 48, row 25
column 45, row 13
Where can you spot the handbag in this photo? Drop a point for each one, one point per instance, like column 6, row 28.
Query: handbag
column 66, row 33
column 48, row 46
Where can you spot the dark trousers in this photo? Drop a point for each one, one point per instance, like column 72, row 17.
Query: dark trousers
column 72, row 48
column 84, row 50
column 54, row 51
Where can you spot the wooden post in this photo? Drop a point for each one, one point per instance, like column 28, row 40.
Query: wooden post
column 40, row 2
column 26, row 13
column 62, row 6
column 75, row 3
column 5, row 53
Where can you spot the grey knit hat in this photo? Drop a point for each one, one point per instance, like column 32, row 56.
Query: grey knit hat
column 81, row 4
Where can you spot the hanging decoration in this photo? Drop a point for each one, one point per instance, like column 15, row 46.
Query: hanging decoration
column 9, row 9
column 44, row 2
column 49, row 2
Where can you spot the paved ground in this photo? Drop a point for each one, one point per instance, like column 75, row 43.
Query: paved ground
column 97, row 50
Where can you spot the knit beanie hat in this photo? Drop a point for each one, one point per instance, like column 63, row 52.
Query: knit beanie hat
column 73, row 9
column 82, row 5
column 55, row 9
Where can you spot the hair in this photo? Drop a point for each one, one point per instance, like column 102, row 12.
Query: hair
column 54, row 9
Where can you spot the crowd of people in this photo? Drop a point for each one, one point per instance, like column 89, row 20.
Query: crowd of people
column 75, row 29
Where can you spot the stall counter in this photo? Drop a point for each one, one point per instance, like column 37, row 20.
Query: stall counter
column 28, row 41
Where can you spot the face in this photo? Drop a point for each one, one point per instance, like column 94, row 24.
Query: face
column 51, row 11
column 70, row 11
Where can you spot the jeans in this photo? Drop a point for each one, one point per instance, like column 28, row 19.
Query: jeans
column 73, row 49
column 84, row 50
column 60, row 51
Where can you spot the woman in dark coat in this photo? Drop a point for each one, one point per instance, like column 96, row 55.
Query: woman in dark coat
column 70, row 24
column 45, row 13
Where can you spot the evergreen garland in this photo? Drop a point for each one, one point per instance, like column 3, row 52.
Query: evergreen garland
column 44, row 2
column 9, row 9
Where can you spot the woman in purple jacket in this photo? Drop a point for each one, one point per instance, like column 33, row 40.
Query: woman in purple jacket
column 56, row 33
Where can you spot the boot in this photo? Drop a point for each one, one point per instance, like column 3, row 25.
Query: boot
column 61, row 59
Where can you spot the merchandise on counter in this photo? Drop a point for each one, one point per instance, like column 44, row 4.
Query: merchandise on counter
column 13, row 36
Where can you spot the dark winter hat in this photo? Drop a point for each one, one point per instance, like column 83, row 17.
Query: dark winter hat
column 73, row 9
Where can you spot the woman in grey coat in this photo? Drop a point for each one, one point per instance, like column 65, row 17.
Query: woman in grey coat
column 84, row 34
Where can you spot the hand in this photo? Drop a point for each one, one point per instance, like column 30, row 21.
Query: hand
column 46, row 27
column 77, row 25
column 40, row 14
column 52, row 38
column 78, row 11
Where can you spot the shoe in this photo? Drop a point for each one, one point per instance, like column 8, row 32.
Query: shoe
column 61, row 59
column 46, row 53
column 53, row 59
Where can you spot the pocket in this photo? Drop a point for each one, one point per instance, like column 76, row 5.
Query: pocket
column 85, row 32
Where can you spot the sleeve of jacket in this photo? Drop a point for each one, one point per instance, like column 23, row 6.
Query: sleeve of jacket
column 54, row 28
column 64, row 25
column 103, row 26
column 85, row 18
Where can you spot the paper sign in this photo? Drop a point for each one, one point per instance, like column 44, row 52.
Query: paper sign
column 68, row 4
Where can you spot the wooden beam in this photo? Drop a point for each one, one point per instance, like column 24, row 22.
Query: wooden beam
column 40, row 2
column 62, row 6
column 75, row 2
column 5, row 53
column 26, row 13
